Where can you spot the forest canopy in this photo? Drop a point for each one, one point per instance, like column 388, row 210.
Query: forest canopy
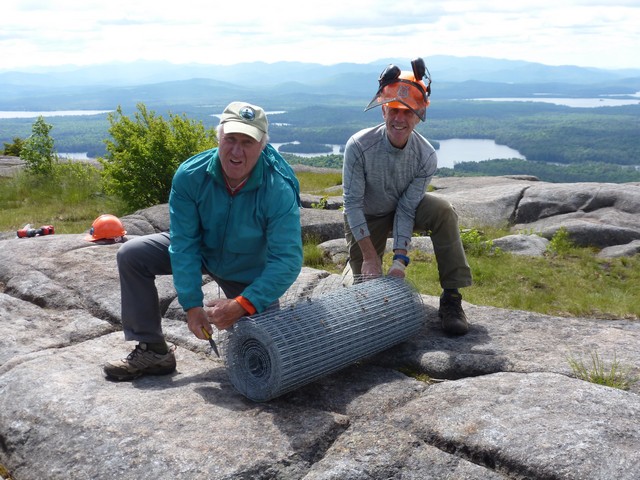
column 561, row 144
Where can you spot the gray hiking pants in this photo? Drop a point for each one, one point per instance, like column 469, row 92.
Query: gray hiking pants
column 434, row 215
column 140, row 260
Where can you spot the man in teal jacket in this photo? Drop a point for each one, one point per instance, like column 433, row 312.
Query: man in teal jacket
column 235, row 215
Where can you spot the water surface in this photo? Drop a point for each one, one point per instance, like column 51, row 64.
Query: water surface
column 53, row 113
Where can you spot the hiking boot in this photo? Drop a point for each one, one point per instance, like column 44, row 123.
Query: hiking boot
column 454, row 320
column 141, row 361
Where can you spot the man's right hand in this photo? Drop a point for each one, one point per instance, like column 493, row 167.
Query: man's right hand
column 371, row 263
column 371, row 268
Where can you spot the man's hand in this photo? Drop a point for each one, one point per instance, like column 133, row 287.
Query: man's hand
column 371, row 268
column 197, row 320
column 223, row 313
column 371, row 263
column 397, row 269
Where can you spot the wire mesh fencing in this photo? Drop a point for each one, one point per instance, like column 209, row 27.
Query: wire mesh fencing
column 318, row 333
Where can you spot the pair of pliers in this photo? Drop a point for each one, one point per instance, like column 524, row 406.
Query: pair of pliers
column 211, row 342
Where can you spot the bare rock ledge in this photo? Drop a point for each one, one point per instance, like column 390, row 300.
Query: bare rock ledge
column 505, row 406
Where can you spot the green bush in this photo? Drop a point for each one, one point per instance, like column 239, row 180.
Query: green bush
column 145, row 153
column 38, row 150
column 475, row 243
column 560, row 243
column 322, row 203
column 14, row 148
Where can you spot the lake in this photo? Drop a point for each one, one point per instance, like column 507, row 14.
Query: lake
column 451, row 151
column 53, row 113
column 457, row 150
column 571, row 102
column 335, row 150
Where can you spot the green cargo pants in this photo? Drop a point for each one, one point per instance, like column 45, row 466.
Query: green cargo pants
column 434, row 215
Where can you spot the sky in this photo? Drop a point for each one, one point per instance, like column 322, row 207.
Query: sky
column 591, row 33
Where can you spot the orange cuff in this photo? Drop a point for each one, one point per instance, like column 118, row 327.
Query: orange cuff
column 246, row 304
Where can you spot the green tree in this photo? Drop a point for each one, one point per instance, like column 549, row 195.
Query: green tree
column 14, row 149
column 145, row 153
column 38, row 150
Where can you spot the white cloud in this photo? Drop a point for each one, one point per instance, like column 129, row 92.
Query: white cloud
column 580, row 32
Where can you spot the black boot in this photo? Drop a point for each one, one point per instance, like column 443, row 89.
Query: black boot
column 454, row 320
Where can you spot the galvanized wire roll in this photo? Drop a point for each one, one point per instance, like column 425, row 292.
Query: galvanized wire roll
column 280, row 350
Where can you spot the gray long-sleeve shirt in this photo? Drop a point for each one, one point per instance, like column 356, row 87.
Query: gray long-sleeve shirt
column 379, row 179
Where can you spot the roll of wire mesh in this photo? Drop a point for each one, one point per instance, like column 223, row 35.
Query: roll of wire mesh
column 280, row 350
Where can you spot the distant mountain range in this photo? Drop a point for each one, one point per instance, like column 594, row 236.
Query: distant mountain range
column 99, row 86
column 443, row 69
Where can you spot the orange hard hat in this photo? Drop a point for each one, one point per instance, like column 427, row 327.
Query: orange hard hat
column 407, row 95
column 401, row 89
column 106, row 227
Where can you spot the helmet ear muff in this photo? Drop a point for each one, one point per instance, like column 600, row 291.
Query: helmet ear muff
column 419, row 68
column 388, row 76
column 420, row 71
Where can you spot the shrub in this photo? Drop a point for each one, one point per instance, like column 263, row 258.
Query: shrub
column 38, row 150
column 560, row 243
column 322, row 203
column 14, row 149
column 475, row 244
column 145, row 153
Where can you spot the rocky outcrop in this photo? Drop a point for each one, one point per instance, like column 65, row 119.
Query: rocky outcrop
column 603, row 216
column 504, row 404
column 594, row 214
column 599, row 215
column 9, row 166
column 627, row 250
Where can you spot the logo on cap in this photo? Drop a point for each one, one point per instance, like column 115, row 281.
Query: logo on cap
column 248, row 113
column 403, row 91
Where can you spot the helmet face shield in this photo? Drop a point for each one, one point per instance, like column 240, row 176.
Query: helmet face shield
column 402, row 93
column 400, row 89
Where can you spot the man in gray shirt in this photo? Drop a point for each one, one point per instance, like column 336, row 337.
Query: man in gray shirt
column 385, row 175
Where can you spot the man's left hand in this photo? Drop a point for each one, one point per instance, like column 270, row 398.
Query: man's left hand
column 397, row 269
column 223, row 313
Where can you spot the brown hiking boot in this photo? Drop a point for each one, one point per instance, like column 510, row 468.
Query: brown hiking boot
column 454, row 320
column 141, row 361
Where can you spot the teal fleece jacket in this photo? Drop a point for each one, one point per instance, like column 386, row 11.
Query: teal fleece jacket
column 252, row 237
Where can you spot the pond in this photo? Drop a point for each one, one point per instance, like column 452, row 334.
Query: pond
column 457, row 150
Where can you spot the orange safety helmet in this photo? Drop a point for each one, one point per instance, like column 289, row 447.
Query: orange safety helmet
column 106, row 227
column 402, row 89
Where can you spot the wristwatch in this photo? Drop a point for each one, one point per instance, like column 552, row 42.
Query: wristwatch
column 404, row 258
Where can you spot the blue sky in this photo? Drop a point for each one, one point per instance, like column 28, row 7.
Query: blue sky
column 594, row 33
